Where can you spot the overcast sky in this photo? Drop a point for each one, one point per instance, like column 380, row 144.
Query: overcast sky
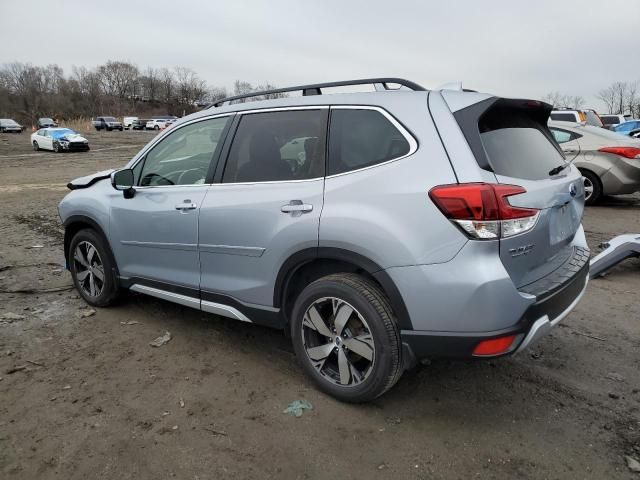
column 510, row 48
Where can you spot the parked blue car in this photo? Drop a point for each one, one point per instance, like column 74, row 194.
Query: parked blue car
column 626, row 128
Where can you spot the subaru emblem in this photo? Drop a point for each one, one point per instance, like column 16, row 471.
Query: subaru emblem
column 573, row 190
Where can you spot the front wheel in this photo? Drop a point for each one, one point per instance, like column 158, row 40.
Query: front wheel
column 36, row 147
column 92, row 268
column 56, row 147
column 345, row 336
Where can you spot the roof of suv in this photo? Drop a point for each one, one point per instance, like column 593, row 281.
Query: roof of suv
column 386, row 97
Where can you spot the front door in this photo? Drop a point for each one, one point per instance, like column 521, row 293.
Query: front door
column 155, row 233
column 267, row 206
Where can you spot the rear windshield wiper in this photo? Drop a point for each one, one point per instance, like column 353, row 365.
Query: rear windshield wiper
column 558, row 169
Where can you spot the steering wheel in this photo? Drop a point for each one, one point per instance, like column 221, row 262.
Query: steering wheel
column 194, row 174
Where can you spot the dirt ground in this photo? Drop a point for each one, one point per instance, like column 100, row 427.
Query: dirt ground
column 87, row 397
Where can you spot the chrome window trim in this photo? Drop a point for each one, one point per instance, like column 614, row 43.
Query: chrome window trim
column 413, row 143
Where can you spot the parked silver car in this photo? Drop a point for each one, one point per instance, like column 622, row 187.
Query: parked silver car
column 376, row 228
column 609, row 161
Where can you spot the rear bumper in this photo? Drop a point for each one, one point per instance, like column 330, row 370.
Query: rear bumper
column 554, row 297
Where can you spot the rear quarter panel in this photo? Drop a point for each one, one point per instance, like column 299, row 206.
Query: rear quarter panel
column 384, row 212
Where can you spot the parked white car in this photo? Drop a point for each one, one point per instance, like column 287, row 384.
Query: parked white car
column 156, row 123
column 127, row 121
column 59, row 140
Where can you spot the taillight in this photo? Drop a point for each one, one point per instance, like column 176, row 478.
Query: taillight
column 483, row 211
column 628, row 152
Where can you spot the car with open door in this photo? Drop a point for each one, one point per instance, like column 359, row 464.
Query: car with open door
column 376, row 228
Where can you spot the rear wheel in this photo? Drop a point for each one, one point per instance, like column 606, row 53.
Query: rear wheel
column 592, row 187
column 92, row 268
column 346, row 337
column 156, row 127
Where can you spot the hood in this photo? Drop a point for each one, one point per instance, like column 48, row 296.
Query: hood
column 86, row 182
column 73, row 137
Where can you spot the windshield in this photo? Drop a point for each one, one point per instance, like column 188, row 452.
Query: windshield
column 109, row 119
column 7, row 121
column 46, row 120
column 61, row 133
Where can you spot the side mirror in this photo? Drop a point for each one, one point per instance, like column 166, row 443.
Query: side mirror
column 123, row 180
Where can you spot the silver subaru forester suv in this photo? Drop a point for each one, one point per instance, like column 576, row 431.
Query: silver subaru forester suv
column 376, row 228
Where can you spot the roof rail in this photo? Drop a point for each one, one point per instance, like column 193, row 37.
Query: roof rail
column 315, row 89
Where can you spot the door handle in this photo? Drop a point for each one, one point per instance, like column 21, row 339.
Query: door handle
column 296, row 207
column 186, row 205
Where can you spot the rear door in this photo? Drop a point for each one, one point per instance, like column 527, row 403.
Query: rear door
column 266, row 205
column 519, row 148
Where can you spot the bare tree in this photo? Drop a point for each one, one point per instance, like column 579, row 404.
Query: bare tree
column 167, row 85
column 608, row 97
column 558, row 100
column 117, row 78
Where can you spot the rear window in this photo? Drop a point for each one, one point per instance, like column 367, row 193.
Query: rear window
column 610, row 120
column 563, row 117
column 517, row 145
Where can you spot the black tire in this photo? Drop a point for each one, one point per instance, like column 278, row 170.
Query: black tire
column 371, row 303
column 156, row 127
column 56, row 147
column 36, row 147
column 592, row 179
column 110, row 289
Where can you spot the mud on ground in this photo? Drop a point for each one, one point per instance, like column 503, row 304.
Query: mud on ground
column 87, row 397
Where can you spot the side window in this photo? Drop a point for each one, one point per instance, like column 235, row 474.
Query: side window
column 561, row 136
column 184, row 156
column 277, row 146
column 361, row 138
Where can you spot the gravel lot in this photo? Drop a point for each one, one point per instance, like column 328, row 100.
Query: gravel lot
column 87, row 397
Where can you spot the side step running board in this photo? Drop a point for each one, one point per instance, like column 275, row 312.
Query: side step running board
column 614, row 251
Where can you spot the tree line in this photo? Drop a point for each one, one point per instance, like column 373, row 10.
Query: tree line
column 621, row 98
column 28, row 92
column 118, row 88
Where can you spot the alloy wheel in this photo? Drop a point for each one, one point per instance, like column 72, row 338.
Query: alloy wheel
column 588, row 188
column 89, row 269
column 338, row 341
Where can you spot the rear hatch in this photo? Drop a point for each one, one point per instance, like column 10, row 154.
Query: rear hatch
column 511, row 139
